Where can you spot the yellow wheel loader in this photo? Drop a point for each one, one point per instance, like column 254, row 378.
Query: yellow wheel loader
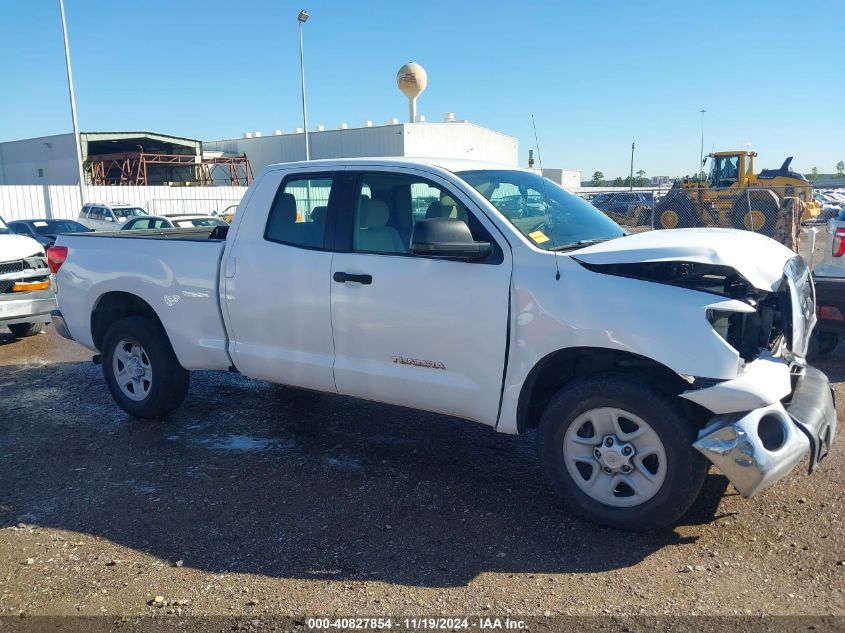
column 771, row 202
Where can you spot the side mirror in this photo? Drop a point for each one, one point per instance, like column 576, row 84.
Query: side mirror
column 445, row 237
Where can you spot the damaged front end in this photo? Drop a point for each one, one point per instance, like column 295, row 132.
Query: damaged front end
column 756, row 448
column 777, row 409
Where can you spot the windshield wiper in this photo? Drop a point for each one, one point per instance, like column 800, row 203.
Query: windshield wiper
column 580, row 244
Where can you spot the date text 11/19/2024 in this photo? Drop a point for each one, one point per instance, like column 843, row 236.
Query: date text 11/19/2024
column 416, row 624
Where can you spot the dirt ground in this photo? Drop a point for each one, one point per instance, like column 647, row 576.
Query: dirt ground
column 254, row 499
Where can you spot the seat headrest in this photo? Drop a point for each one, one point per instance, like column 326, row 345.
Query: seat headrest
column 319, row 214
column 374, row 213
column 285, row 211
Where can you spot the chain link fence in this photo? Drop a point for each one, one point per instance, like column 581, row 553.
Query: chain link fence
column 776, row 212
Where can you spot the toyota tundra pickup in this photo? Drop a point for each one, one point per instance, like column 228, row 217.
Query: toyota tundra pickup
column 483, row 292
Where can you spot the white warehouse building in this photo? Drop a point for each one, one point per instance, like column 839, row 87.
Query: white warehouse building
column 450, row 139
column 51, row 160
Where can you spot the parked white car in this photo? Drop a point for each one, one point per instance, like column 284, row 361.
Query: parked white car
column 638, row 358
column 172, row 222
column 112, row 216
column 26, row 295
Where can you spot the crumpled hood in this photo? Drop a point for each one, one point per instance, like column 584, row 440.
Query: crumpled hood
column 14, row 247
column 756, row 257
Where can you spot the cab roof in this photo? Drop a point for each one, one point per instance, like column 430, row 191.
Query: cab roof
column 449, row 164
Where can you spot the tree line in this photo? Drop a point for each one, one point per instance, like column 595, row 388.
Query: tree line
column 640, row 180
column 815, row 174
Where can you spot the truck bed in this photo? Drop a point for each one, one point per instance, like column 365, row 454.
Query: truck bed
column 175, row 271
column 198, row 234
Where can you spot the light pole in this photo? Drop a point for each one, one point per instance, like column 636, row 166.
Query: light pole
column 302, row 18
column 631, row 188
column 701, row 152
column 73, row 108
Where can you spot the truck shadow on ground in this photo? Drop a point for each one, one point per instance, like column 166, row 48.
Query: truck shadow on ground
column 249, row 477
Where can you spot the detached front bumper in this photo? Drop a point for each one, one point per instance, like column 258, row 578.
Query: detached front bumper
column 27, row 307
column 754, row 449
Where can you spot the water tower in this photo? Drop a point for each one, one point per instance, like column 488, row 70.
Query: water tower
column 412, row 80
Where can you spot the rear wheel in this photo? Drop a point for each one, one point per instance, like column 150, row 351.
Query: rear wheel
column 142, row 372
column 756, row 211
column 22, row 330
column 620, row 452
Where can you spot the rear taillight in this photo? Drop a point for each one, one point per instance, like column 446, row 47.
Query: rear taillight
column 838, row 249
column 56, row 256
column 830, row 313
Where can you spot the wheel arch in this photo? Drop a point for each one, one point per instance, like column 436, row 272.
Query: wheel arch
column 557, row 369
column 114, row 305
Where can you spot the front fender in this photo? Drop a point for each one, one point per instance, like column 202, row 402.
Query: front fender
column 666, row 324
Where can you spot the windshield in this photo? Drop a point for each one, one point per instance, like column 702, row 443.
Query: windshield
column 128, row 212
column 3, row 227
column 54, row 227
column 547, row 214
column 199, row 222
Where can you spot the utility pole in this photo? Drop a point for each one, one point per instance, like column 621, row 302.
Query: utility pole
column 701, row 153
column 73, row 108
column 632, row 167
column 302, row 18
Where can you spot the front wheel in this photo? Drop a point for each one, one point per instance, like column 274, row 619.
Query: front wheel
column 620, row 452
column 141, row 370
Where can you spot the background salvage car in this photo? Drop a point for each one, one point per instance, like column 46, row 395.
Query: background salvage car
column 26, row 297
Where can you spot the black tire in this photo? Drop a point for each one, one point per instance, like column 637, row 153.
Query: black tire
column 749, row 208
column 168, row 382
column 685, row 467
column 22, row 330
column 675, row 206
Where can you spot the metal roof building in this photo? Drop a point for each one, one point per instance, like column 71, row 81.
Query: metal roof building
column 148, row 158
column 450, row 139
column 51, row 160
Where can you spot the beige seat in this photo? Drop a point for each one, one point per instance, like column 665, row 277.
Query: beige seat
column 284, row 226
column 445, row 208
column 318, row 214
column 373, row 234
column 282, row 216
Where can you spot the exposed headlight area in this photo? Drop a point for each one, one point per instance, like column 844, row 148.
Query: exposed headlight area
column 751, row 332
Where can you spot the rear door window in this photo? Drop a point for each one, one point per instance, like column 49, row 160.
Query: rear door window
column 299, row 212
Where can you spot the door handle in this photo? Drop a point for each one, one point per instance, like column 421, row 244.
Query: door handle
column 342, row 277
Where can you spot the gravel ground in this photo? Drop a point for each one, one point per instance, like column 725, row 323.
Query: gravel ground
column 254, row 499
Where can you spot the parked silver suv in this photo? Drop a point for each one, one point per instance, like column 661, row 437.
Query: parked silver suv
column 111, row 216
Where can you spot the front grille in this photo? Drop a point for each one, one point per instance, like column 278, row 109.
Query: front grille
column 6, row 285
column 35, row 262
column 12, row 267
column 27, row 269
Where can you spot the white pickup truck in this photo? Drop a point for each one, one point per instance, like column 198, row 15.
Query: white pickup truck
column 483, row 292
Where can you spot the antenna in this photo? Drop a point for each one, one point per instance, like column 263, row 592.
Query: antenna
column 545, row 197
